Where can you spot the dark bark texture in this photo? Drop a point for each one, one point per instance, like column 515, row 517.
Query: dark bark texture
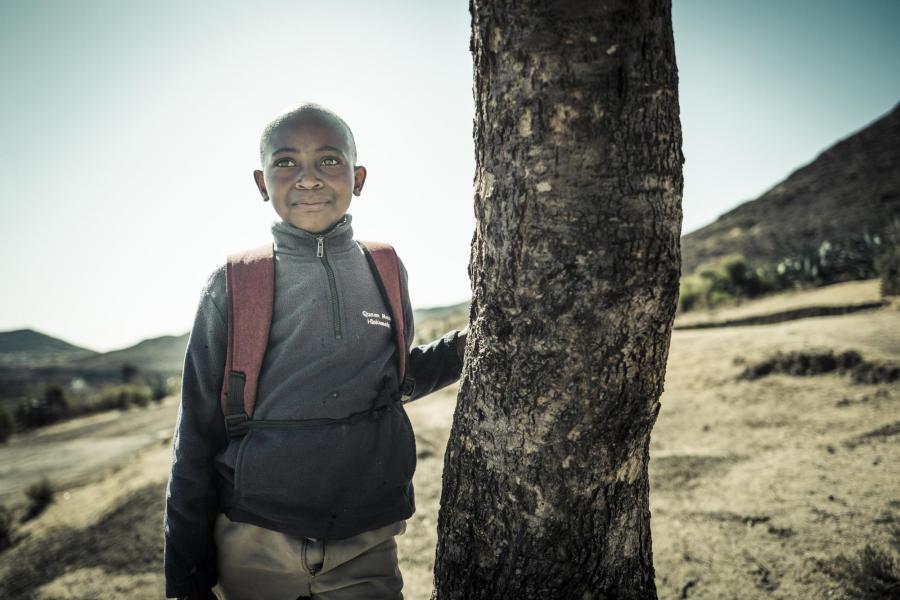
column 574, row 268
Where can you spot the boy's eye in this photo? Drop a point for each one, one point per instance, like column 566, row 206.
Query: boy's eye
column 284, row 162
column 330, row 161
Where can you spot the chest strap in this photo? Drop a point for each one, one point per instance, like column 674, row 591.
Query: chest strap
column 250, row 288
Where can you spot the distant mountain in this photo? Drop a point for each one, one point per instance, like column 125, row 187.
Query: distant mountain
column 851, row 188
column 29, row 347
column 440, row 312
column 164, row 354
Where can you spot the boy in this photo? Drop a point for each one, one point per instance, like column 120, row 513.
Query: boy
column 310, row 511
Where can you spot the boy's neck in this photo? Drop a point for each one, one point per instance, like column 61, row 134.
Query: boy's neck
column 325, row 231
column 293, row 240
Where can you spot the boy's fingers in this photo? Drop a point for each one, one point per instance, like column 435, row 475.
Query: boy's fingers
column 461, row 342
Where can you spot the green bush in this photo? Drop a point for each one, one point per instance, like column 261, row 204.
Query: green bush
column 57, row 402
column 722, row 281
column 159, row 386
column 123, row 397
column 831, row 262
column 731, row 278
column 52, row 406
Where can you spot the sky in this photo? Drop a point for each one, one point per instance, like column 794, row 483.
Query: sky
column 129, row 133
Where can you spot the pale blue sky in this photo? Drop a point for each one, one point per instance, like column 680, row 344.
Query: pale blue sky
column 130, row 130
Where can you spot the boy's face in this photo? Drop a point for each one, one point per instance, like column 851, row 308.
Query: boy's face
column 308, row 172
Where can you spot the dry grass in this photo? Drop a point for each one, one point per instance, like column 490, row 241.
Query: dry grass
column 758, row 488
column 850, row 293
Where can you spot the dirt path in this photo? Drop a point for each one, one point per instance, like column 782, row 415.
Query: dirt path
column 81, row 450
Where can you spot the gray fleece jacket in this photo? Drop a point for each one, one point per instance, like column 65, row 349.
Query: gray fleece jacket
column 330, row 354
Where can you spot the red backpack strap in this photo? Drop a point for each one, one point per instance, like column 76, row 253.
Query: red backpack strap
column 386, row 267
column 250, row 287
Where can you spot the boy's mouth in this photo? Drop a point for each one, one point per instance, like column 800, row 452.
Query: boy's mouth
column 310, row 197
column 311, row 205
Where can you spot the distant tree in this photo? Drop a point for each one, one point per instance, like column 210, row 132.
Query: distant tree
column 129, row 373
column 575, row 265
column 56, row 401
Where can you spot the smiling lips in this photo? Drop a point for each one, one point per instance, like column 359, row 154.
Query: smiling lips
column 311, row 203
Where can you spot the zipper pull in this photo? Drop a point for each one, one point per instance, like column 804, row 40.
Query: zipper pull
column 320, row 250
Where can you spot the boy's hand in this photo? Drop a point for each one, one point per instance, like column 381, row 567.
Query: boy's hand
column 461, row 343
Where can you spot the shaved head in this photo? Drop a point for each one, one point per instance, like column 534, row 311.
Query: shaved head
column 300, row 113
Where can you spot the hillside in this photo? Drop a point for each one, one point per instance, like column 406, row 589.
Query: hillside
column 850, row 188
column 164, row 354
column 28, row 347
column 759, row 488
column 432, row 323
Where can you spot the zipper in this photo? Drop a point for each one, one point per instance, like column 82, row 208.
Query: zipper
column 305, row 560
column 332, row 284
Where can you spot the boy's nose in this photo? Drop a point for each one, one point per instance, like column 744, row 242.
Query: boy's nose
column 307, row 182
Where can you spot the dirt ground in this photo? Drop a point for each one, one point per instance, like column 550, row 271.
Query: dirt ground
column 756, row 486
column 74, row 452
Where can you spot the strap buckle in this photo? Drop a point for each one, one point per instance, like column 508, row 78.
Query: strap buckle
column 406, row 389
column 236, row 425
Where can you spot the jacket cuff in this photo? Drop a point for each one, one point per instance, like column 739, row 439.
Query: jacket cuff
column 200, row 580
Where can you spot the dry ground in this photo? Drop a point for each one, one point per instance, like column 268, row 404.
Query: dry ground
column 847, row 294
column 756, row 486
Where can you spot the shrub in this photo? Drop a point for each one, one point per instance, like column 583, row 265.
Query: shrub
column 831, row 262
column 37, row 412
column 56, row 401
column 870, row 575
column 732, row 277
column 40, row 495
column 159, row 386
column 7, row 528
column 124, row 397
column 721, row 281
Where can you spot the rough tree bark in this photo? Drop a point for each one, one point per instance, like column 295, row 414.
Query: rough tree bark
column 574, row 268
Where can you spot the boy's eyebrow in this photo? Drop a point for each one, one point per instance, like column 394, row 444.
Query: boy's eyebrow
column 285, row 149
column 319, row 149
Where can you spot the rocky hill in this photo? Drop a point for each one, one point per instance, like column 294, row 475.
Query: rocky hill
column 850, row 189
column 164, row 354
column 30, row 347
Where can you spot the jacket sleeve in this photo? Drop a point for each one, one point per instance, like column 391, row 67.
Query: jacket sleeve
column 432, row 366
column 191, row 495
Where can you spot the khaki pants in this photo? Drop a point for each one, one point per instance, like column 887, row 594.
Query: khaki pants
column 260, row 564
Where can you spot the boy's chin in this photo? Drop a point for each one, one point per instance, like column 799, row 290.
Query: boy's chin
column 313, row 225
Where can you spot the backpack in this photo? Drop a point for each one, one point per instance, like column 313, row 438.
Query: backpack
column 250, row 288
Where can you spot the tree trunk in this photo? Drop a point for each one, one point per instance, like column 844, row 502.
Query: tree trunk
column 574, row 268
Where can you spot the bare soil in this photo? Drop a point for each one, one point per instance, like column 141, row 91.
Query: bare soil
column 72, row 452
column 757, row 486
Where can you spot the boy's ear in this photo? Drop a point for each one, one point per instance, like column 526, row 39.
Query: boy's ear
column 261, row 184
column 359, row 179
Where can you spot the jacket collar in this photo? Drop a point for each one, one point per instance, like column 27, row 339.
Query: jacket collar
column 295, row 241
